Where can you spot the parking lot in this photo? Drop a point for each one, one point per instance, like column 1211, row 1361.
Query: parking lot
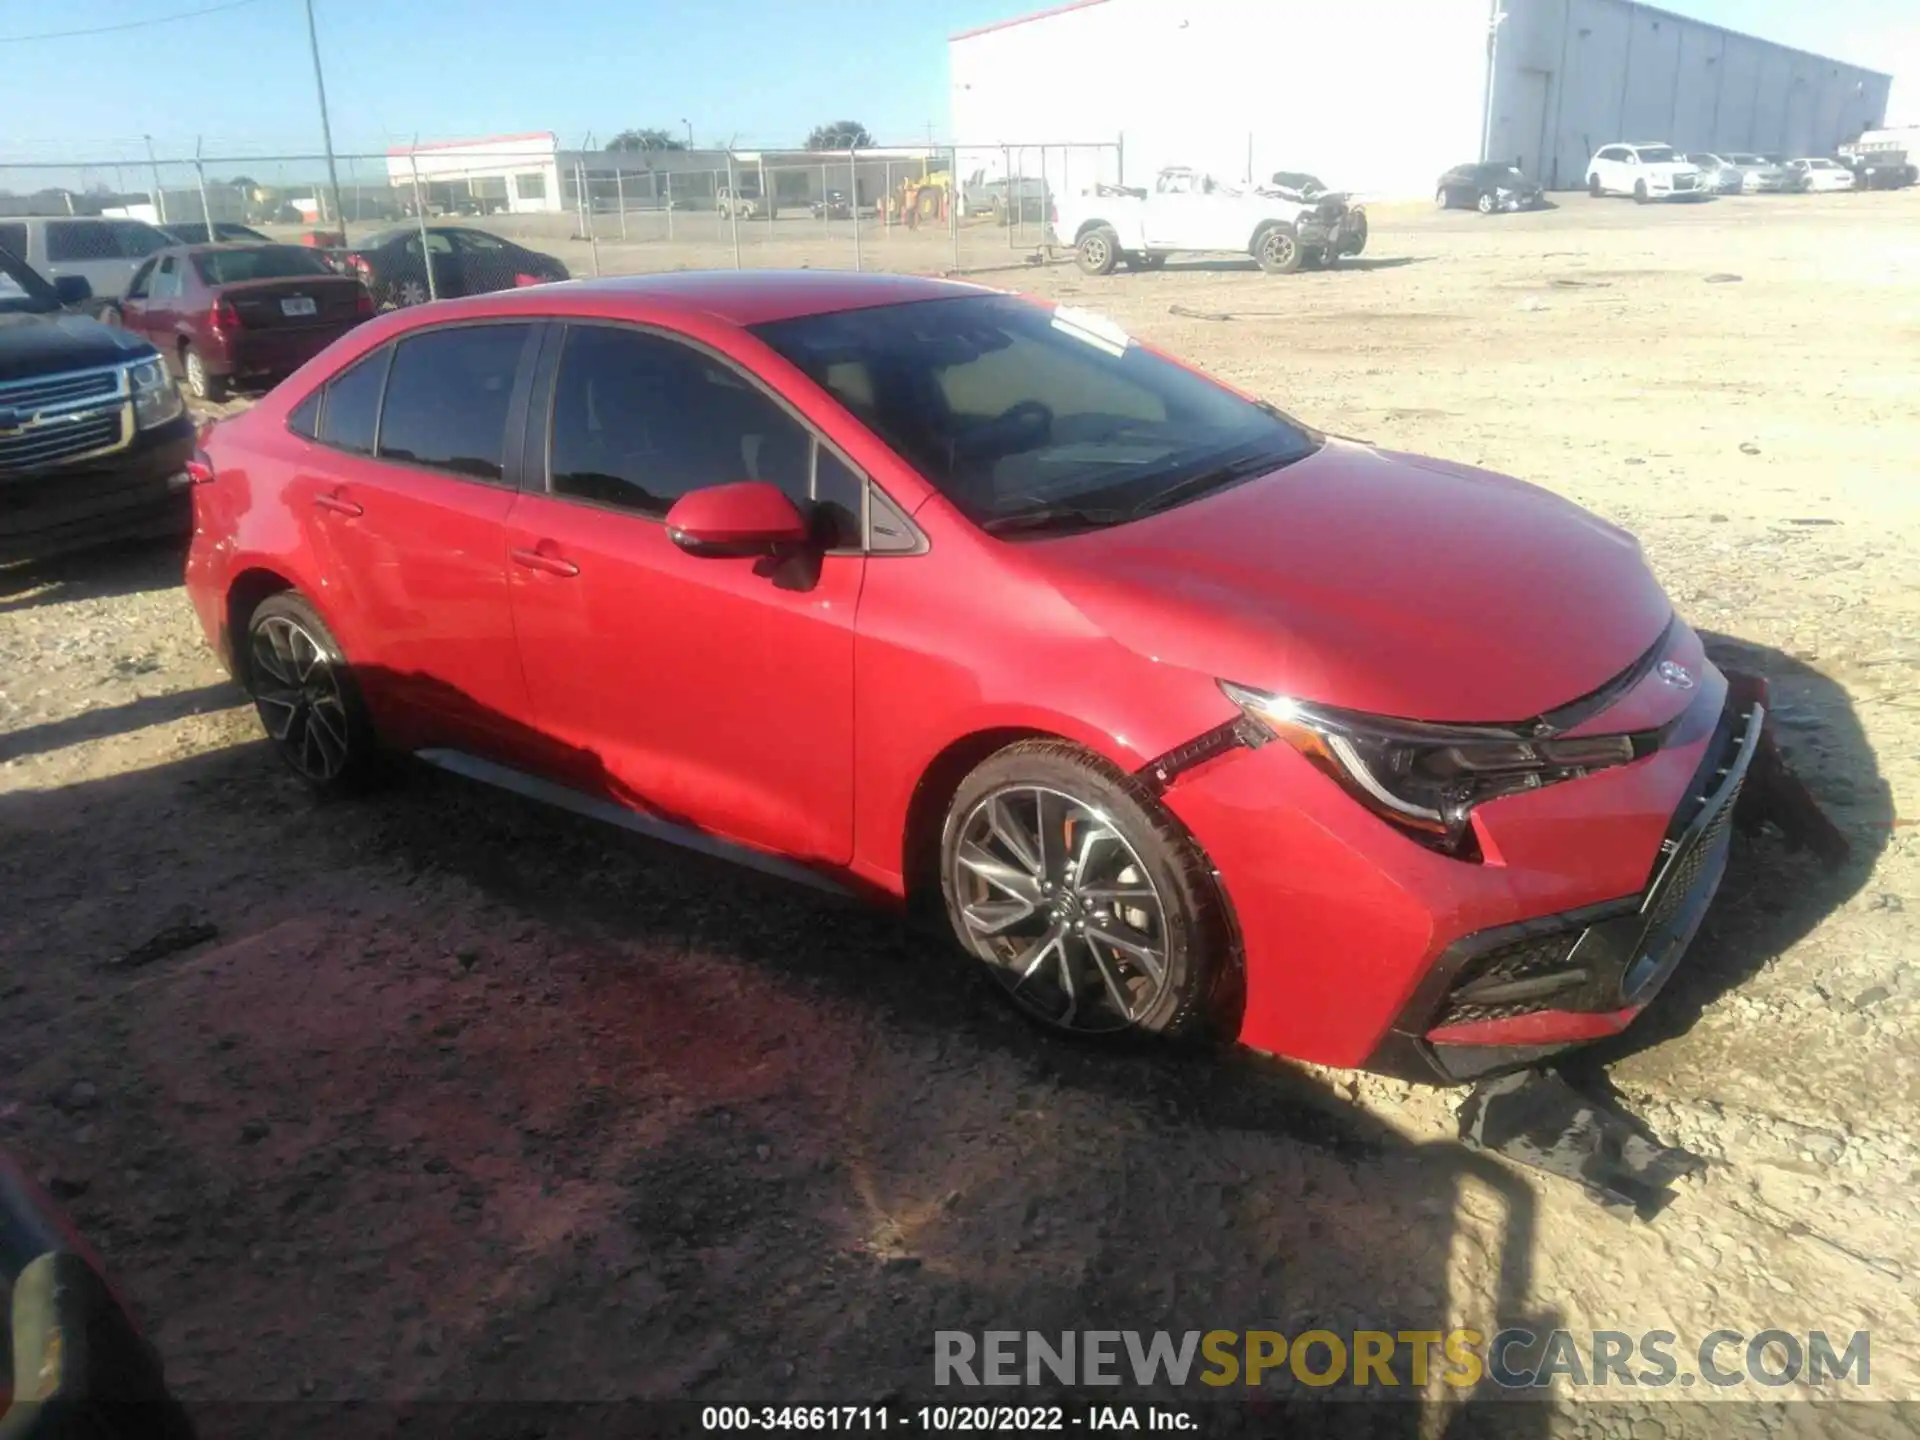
column 457, row 1097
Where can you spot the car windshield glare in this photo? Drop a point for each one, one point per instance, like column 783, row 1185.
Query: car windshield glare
column 264, row 262
column 1018, row 413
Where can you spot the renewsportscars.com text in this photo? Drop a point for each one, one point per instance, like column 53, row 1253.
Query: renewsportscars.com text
column 1512, row 1358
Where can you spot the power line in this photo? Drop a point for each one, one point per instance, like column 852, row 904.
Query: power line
column 125, row 24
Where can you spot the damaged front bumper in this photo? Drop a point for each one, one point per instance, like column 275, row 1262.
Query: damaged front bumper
column 1512, row 995
column 1335, row 230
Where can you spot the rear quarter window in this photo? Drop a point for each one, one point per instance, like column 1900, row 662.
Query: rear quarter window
column 351, row 412
column 80, row 240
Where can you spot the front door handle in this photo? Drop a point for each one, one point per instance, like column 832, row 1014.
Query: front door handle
column 543, row 559
column 338, row 503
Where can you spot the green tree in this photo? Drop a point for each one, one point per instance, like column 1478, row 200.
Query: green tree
column 648, row 138
column 840, row 135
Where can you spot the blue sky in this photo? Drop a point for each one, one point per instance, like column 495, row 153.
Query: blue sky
column 758, row 72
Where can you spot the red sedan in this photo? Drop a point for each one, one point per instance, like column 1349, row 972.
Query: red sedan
column 220, row 313
column 1193, row 719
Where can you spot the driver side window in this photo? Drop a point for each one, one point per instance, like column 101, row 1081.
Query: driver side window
column 640, row 420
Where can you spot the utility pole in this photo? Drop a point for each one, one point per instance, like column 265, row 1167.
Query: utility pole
column 326, row 128
column 689, row 125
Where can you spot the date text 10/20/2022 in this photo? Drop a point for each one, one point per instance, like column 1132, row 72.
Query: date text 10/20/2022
column 965, row 1419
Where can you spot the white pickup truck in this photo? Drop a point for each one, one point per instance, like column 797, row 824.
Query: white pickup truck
column 1188, row 211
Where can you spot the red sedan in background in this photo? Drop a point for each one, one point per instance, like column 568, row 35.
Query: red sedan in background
column 220, row 313
column 1190, row 717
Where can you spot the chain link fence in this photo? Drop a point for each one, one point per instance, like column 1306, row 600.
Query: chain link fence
column 921, row 209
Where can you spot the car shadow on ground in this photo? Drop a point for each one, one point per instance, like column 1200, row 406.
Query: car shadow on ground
column 1774, row 894
column 125, row 569
column 1248, row 265
column 471, row 1099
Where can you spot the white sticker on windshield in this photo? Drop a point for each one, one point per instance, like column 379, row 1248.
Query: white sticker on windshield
column 1094, row 330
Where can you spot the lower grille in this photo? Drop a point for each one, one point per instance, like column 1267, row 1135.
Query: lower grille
column 1516, row 979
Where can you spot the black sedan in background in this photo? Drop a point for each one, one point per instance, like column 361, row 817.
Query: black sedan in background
column 1489, row 187
column 393, row 264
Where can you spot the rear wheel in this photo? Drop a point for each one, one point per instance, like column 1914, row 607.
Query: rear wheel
column 1090, row 907
column 410, row 292
column 1278, row 250
column 1098, row 251
column 305, row 694
column 201, row 384
column 1442, row 199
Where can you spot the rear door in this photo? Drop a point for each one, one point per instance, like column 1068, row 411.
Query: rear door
column 482, row 262
column 404, row 493
column 161, row 320
column 133, row 308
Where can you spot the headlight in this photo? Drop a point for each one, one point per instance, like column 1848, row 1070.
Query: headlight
column 156, row 399
column 1426, row 779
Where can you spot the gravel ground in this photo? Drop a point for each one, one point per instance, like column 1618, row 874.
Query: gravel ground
column 462, row 1098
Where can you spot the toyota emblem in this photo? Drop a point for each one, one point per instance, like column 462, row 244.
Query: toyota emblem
column 1675, row 674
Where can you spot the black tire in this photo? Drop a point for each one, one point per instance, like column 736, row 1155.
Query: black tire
column 304, row 691
column 201, row 383
column 1485, row 204
column 1278, row 249
column 1640, row 196
column 1443, row 198
column 1111, row 993
column 1097, row 251
column 1593, row 186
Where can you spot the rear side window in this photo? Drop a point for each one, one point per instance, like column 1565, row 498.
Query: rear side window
column 352, row 409
column 136, row 241
column 447, row 398
column 75, row 240
column 13, row 239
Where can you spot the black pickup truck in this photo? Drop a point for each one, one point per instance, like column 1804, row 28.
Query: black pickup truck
column 94, row 437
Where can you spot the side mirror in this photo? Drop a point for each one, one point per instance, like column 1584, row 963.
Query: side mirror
column 72, row 289
column 750, row 518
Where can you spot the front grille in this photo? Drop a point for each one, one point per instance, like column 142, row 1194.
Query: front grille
column 61, row 392
column 1678, row 880
column 51, row 444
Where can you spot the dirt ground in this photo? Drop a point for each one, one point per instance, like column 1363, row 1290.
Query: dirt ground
column 466, row 1099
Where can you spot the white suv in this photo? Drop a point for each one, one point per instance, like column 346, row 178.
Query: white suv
column 1646, row 172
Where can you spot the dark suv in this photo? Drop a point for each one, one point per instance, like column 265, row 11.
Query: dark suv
column 94, row 437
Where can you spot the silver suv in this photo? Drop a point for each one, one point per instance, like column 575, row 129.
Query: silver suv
column 104, row 250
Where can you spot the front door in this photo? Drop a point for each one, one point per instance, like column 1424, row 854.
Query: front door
column 410, row 518
column 713, row 693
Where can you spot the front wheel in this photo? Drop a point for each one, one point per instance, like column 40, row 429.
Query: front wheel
column 1593, row 186
column 1098, row 251
column 306, row 697
column 1090, row 907
column 1485, row 204
column 1278, row 250
column 1640, row 196
column 1442, row 199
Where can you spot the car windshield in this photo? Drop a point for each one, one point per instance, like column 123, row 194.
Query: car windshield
column 1030, row 419
column 1655, row 154
column 23, row 291
column 260, row 262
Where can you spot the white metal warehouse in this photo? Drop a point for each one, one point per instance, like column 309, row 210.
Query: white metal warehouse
column 1380, row 96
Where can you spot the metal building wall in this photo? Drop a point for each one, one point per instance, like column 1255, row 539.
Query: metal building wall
column 1573, row 75
column 1377, row 96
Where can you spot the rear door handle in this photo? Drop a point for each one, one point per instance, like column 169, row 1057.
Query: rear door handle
column 338, row 503
column 543, row 560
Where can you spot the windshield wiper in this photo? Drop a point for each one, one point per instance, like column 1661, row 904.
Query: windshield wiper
column 1212, row 478
column 1053, row 517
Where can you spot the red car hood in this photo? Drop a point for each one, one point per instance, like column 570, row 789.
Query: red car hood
column 1378, row 581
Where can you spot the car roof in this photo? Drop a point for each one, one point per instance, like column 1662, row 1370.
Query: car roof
column 737, row 297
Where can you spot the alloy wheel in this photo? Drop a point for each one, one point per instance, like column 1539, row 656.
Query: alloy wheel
column 196, row 375
column 299, row 698
column 1093, row 252
column 411, row 292
column 1061, row 907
